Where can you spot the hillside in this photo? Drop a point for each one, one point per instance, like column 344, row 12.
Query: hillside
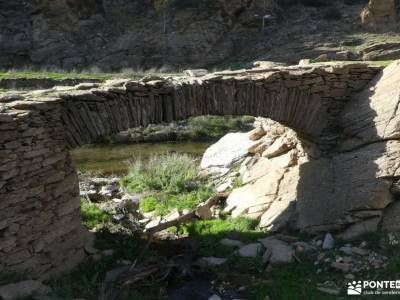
column 119, row 34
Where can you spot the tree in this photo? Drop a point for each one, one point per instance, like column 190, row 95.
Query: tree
column 161, row 6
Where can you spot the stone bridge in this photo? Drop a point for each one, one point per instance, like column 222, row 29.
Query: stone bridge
column 40, row 223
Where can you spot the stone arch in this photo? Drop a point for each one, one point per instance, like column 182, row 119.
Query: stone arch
column 305, row 99
column 40, row 227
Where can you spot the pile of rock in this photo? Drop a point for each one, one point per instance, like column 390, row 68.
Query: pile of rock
column 349, row 261
column 97, row 189
column 274, row 250
column 352, row 261
column 107, row 194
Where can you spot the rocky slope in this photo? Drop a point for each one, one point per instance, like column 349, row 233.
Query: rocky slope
column 118, row 34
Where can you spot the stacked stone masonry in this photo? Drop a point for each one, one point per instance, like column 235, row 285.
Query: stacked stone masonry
column 40, row 224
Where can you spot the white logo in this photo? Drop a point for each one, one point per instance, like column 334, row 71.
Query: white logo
column 354, row 288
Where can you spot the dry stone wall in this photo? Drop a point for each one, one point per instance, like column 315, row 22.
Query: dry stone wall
column 40, row 224
column 307, row 99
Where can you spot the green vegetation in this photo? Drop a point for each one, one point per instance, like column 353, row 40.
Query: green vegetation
column 300, row 280
column 380, row 63
column 169, row 173
column 212, row 127
column 296, row 281
column 53, row 75
column 115, row 159
column 92, row 215
column 207, row 234
column 87, row 281
column 163, row 203
column 170, row 181
column 95, row 74
column 148, row 204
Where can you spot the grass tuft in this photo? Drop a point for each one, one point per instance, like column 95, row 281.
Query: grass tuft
column 208, row 234
column 162, row 203
column 170, row 181
column 169, row 173
column 93, row 216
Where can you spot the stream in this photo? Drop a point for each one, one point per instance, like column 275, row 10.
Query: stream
column 115, row 159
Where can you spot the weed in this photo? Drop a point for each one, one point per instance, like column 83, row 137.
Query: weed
column 148, row 204
column 92, row 215
column 170, row 180
column 169, row 173
column 208, row 234
column 162, row 203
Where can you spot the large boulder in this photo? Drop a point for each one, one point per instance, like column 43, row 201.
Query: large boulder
column 265, row 177
column 226, row 152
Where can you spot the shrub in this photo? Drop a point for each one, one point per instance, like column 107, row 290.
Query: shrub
column 168, row 173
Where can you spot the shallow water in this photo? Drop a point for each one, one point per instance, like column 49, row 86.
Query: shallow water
column 115, row 159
